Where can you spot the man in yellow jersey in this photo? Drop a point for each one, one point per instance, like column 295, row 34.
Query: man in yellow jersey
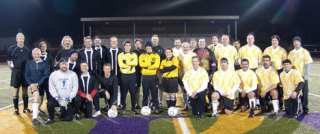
column 248, row 86
column 301, row 60
column 196, row 82
column 215, row 42
column 268, row 79
column 193, row 44
column 237, row 44
column 149, row 63
column 169, row 69
column 185, row 64
column 277, row 54
column 127, row 61
column 227, row 51
column 251, row 52
column 225, row 82
column 177, row 47
column 292, row 82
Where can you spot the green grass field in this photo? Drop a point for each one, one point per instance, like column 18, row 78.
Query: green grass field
column 163, row 124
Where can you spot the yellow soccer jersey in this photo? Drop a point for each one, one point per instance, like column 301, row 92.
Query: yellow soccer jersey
column 185, row 62
column 253, row 54
column 149, row 63
column 299, row 58
column 277, row 56
column 195, row 80
column 248, row 80
column 228, row 52
column 226, row 82
column 290, row 81
column 176, row 51
column 213, row 47
column 127, row 62
column 167, row 63
column 266, row 78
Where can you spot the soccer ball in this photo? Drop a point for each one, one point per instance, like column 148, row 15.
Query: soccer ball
column 145, row 111
column 173, row 111
column 112, row 113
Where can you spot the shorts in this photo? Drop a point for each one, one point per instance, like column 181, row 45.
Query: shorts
column 227, row 103
column 17, row 78
column 245, row 100
column 170, row 85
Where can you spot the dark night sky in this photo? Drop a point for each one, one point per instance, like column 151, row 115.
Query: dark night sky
column 55, row 18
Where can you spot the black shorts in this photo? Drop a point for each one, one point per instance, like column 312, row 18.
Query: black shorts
column 17, row 78
column 245, row 100
column 265, row 100
column 227, row 103
column 170, row 85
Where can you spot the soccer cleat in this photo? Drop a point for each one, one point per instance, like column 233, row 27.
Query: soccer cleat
column 48, row 121
column 200, row 117
column 98, row 113
column 157, row 111
column 274, row 115
column 214, row 115
column 26, row 110
column 305, row 112
column 78, row 117
column 251, row 114
column 138, row 107
column 16, row 112
column 135, row 112
column 36, row 122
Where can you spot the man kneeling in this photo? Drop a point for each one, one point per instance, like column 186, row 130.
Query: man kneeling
column 225, row 82
column 63, row 87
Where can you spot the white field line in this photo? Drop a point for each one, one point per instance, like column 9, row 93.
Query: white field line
column 183, row 126
column 12, row 105
column 315, row 95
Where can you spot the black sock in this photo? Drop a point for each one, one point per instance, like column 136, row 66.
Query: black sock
column 25, row 102
column 168, row 103
column 173, row 103
column 15, row 102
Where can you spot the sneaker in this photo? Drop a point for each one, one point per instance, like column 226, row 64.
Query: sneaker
column 214, row 115
column 36, row 122
column 16, row 112
column 78, row 117
column 48, row 121
column 305, row 112
column 26, row 110
column 42, row 112
column 135, row 111
column 274, row 115
column 98, row 113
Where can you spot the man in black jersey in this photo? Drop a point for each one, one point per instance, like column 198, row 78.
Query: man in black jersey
column 66, row 44
column 17, row 56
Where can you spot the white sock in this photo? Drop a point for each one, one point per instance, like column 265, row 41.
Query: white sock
column 250, row 103
column 215, row 107
column 257, row 102
column 275, row 104
column 119, row 98
column 35, row 110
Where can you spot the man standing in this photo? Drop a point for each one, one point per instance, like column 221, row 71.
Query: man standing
column 149, row 63
column 251, row 52
column 112, row 58
column 301, row 60
column 277, row 54
column 177, row 47
column 63, row 87
column 17, row 58
column 227, row 51
column 36, row 72
column 101, row 50
column 215, row 43
column 225, row 82
column 66, row 44
column 92, row 57
column 127, row 62
column 195, row 82
column 193, row 44
column 138, row 51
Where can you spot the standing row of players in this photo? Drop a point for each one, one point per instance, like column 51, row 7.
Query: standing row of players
column 96, row 71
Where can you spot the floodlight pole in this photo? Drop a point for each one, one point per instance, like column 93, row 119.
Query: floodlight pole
column 134, row 29
column 185, row 30
column 83, row 29
column 236, row 30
